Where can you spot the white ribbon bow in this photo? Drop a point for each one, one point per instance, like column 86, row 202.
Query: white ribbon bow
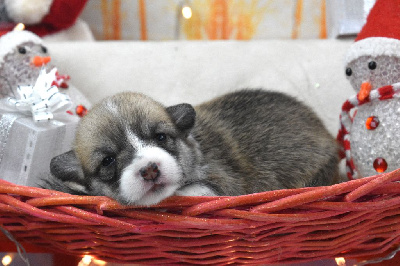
column 42, row 99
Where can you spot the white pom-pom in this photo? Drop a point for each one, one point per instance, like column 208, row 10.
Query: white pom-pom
column 28, row 11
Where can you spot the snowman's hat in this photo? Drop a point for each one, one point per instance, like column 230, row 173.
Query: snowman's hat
column 380, row 34
column 12, row 39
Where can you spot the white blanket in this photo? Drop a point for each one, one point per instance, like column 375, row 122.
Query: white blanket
column 193, row 72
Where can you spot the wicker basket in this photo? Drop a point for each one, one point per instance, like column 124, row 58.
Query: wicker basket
column 353, row 219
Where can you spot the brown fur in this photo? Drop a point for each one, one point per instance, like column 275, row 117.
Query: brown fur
column 265, row 141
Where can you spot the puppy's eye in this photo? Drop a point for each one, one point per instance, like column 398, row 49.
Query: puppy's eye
column 22, row 50
column 161, row 137
column 107, row 161
column 44, row 49
column 372, row 65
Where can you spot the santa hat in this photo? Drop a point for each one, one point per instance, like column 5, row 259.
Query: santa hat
column 11, row 40
column 381, row 33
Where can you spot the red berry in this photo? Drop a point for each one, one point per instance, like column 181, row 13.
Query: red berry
column 81, row 110
column 64, row 85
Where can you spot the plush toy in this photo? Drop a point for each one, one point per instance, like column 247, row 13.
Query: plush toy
column 22, row 57
column 43, row 17
column 370, row 124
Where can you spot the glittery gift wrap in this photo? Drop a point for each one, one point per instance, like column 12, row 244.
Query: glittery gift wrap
column 27, row 147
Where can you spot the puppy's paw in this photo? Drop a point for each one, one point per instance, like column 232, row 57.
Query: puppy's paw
column 195, row 190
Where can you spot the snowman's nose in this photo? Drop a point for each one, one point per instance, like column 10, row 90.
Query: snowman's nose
column 40, row 60
column 365, row 89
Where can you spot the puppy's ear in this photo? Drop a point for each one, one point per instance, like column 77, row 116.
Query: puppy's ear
column 66, row 175
column 66, row 167
column 183, row 116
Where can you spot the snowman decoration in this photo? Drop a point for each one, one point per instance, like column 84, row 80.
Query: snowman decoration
column 370, row 121
column 43, row 17
column 23, row 57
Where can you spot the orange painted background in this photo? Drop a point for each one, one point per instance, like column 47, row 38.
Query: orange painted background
column 208, row 20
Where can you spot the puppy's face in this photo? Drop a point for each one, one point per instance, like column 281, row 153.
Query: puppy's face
column 128, row 147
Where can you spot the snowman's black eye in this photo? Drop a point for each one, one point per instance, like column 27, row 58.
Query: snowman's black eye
column 44, row 49
column 349, row 71
column 372, row 65
column 22, row 50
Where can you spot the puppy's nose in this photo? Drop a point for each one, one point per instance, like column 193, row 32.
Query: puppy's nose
column 150, row 172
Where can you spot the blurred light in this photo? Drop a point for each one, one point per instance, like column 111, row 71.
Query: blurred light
column 19, row 27
column 187, row 12
column 86, row 260
column 7, row 259
column 99, row 262
column 340, row 261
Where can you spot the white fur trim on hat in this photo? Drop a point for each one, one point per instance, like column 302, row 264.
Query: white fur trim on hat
column 373, row 46
column 27, row 11
column 9, row 41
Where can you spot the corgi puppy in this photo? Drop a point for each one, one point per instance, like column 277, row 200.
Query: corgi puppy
column 133, row 149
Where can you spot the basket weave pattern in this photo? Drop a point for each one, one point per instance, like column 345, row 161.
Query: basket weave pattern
column 352, row 219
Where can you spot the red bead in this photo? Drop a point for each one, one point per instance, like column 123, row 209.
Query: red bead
column 380, row 165
column 81, row 110
column 372, row 122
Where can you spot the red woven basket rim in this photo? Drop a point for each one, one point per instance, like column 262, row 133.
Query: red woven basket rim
column 291, row 225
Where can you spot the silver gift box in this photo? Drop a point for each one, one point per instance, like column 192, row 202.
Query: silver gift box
column 27, row 147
